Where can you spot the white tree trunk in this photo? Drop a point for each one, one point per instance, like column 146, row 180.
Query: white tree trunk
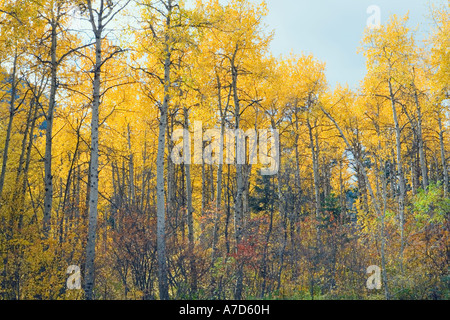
column 48, row 176
column 422, row 155
column 402, row 183
column 160, row 201
column 93, row 172
column 443, row 158
column 12, row 111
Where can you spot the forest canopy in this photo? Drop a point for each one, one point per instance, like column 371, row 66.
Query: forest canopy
column 158, row 150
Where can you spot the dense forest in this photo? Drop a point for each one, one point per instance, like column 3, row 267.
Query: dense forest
column 95, row 185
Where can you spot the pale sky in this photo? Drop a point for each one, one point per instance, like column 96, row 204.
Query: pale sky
column 331, row 30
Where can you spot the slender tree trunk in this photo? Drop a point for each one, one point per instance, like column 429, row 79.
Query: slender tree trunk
column 298, row 182
column 362, row 188
column 422, row 159
column 219, row 176
column 71, row 170
column 317, row 203
column 204, row 197
column 12, row 111
column 93, row 172
column 144, row 175
column 414, row 178
column 238, row 206
column 383, row 240
column 29, row 147
column 315, row 170
column 265, row 251
column 132, row 192
column 282, row 208
column 160, row 202
column 382, row 174
column 228, row 212
column 18, row 197
column 402, row 183
column 24, row 142
column 171, row 175
column 190, row 219
column 48, row 176
column 443, row 158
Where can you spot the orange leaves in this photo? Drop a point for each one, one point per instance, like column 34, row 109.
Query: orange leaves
column 246, row 251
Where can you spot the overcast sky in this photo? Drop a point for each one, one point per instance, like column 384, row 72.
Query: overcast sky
column 331, row 30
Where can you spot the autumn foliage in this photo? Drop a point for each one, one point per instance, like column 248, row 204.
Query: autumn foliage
column 362, row 180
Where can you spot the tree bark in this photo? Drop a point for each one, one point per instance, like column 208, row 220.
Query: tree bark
column 238, row 205
column 223, row 114
column 402, row 183
column 93, row 172
column 266, row 246
column 443, row 158
column 190, row 220
column 422, row 159
column 160, row 201
column 383, row 240
column 12, row 111
column 317, row 203
column 99, row 19
column 132, row 193
column 48, row 176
